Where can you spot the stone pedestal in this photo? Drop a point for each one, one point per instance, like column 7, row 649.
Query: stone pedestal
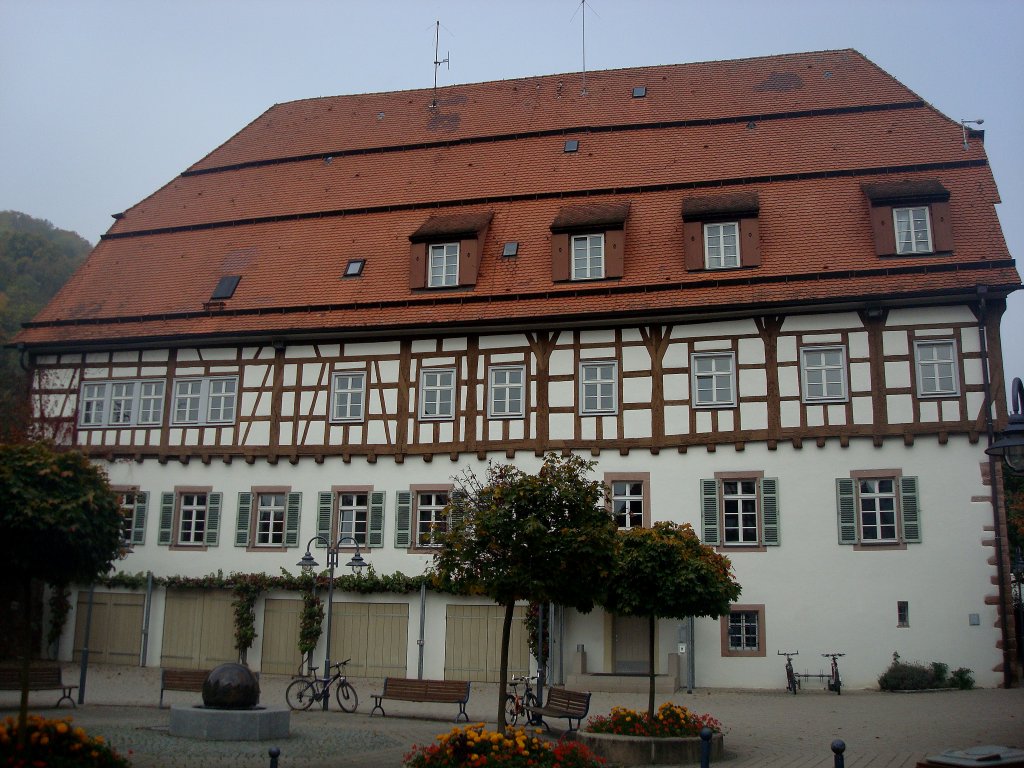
column 258, row 724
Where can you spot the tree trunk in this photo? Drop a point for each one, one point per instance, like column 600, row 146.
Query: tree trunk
column 26, row 656
column 506, row 632
column 651, row 624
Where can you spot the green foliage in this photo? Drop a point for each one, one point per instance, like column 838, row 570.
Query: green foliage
column 962, row 678
column 60, row 607
column 61, row 521
column 910, row 676
column 312, row 619
column 247, row 589
column 54, row 743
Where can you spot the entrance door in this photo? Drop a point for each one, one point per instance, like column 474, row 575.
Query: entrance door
column 115, row 636
column 199, row 629
column 472, row 643
column 629, row 646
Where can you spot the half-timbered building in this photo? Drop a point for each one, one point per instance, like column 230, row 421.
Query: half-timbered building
column 762, row 295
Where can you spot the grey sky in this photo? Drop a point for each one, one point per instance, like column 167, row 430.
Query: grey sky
column 104, row 101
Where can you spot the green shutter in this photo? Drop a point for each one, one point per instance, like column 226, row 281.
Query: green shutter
column 403, row 519
column 213, row 505
column 244, row 519
column 846, row 503
column 139, row 520
column 166, row 518
column 709, row 511
column 324, row 508
column 910, row 508
column 376, row 536
column 292, row 517
column 456, row 508
column 770, row 511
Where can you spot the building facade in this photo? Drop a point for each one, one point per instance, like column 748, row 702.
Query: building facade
column 763, row 296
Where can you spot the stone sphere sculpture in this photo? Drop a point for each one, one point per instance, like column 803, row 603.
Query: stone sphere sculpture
column 231, row 686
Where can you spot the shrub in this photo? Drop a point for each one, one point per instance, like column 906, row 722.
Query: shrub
column 671, row 720
column 909, row 676
column 474, row 745
column 55, row 743
column 962, row 678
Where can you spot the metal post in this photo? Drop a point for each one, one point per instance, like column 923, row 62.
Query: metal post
column 423, row 621
column 143, row 655
column 540, row 654
column 332, row 559
column 705, row 747
column 274, row 753
column 691, row 666
column 85, row 646
column 838, row 747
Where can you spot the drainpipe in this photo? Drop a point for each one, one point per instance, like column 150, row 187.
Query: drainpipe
column 993, row 468
column 423, row 615
column 145, row 619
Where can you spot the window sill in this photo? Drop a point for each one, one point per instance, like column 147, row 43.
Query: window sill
column 266, row 548
column 188, row 547
column 886, row 546
column 736, row 548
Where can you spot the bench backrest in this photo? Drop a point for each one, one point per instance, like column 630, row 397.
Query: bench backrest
column 575, row 702
column 434, row 690
column 37, row 676
column 183, row 679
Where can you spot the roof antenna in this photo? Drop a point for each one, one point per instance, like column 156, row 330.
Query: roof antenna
column 965, row 123
column 438, row 62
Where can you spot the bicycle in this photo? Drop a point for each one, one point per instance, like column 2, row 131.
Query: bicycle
column 792, row 680
column 516, row 705
column 302, row 692
column 834, row 682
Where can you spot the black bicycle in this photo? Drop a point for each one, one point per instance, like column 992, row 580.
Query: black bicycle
column 792, row 680
column 303, row 691
column 834, row 682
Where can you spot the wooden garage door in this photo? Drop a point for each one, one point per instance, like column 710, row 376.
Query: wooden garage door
column 281, row 618
column 374, row 635
column 199, row 629
column 472, row 643
column 115, row 636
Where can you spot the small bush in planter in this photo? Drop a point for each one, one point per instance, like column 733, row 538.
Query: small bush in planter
column 671, row 720
column 909, row 676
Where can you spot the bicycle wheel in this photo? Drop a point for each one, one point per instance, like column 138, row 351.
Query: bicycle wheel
column 838, row 685
column 301, row 693
column 529, row 700
column 511, row 710
column 347, row 697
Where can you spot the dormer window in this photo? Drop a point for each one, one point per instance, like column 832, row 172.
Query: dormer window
column 445, row 250
column 721, row 232
column 910, row 217
column 588, row 241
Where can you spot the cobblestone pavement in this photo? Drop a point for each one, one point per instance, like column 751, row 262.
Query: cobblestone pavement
column 763, row 728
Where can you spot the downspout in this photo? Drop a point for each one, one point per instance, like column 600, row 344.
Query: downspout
column 144, row 653
column 423, row 618
column 993, row 468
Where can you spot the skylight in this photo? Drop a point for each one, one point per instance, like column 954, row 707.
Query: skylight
column 225, row 287
column 511, row 249
column 572, row 145
column 354, row 268
column 640, row 92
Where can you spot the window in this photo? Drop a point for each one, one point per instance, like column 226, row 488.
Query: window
column 587, row 257
column 913, row 230
column 352, row 513
column 430, row 517
column 121, row 403
column 629, row 505
column 598, row 388
column 740, row 510
column 743, row 631
column 721, row 245
column 354, row 268
column 713, row 380
column 205, row 401
column 823, row 370
column 268, row 518
column 437, row 393
column 353, row 516
column 134, row 504
column 507, row 388
column 902, row 613
column 444, row 265
column 878, row 508
column 189, row 517
column 347, row 396
column 936, row 368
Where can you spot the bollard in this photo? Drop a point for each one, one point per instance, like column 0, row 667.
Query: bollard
column 838, row 747
column 274, row 753
column 705, row 747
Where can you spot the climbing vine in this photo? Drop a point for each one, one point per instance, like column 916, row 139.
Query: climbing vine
column 247, row 588
column 311, row 620
column 60, row 607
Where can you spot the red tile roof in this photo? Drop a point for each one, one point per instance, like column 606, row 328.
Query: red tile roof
column 311, row 184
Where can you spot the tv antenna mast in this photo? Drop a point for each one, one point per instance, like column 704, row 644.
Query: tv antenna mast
column 438, row 62
column 583, row 7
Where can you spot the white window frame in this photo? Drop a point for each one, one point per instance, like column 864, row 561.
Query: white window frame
column 502, row 393
column 193, row 508
column 443, row 265
column 432, row 394
column 737, row 506
column 928, row 369
column 588, row 264
column 719, row 253
column 211, row 402
column 599, row 384
column 348, row 398
column 627, row 503
column 826, row 374
column 878, row 509
column 354, row 516
column 916, row 224
column 716, row 375
column 128, row 501
column 271, row 513
column 430, row 517
column 101, row 401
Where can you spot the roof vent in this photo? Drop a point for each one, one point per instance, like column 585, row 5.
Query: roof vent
column 354, row 268
column 640, row 92
column 571, row 145
column 225, row 287
column 511, row 249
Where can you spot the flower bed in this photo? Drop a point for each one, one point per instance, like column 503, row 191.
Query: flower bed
column 672, row 736
column 671, row 720
column 55, row 743
column 474, row 745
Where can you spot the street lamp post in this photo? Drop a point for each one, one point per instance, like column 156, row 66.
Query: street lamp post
column 1010, row 446
column 307, row 564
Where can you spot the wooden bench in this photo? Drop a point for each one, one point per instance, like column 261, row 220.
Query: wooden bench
column 572, row 705
column 39, row 679
column 407, row 689
column 182, row 680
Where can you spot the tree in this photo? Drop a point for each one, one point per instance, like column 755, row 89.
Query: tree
column 61, row 523
column 665, row 572
column 516, row 536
